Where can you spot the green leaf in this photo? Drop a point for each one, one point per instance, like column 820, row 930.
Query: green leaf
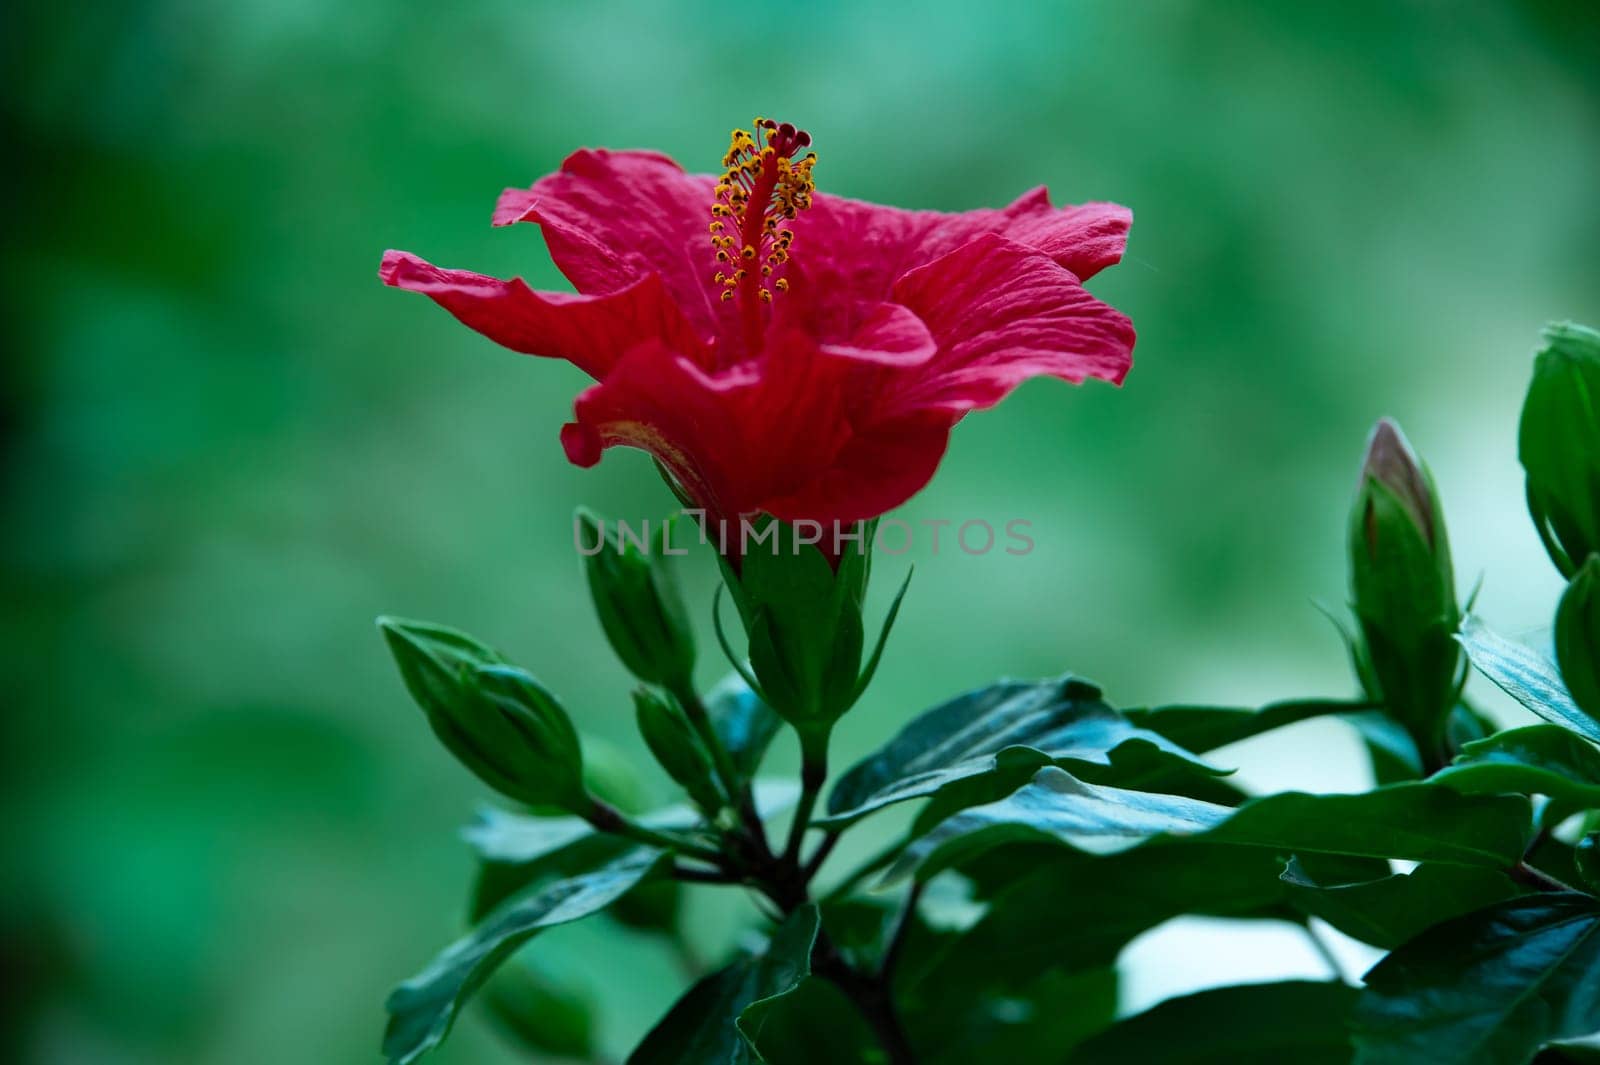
column 745, row 725
column 1578, row 636
column 517, row 851
column 1062, row 720
column 495, row 718
column 1535, row 760
column 720, row 1018
column 1390, row 747
column 422, row 1009
column 1488, row 988
column 1526, row 676
column 1294, row 1021
column 1037, row 1020
column 1127, row 893
column 816, row 1023
column 1419, row 822
column 1205, row 728
column 1391, row 909
column 539, row 1011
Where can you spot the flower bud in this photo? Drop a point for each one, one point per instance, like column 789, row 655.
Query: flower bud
column 1403, row 590
column 1578, row 637
column 1558, row 442
column 639, row 605
column 677, row 747
column 494, row 717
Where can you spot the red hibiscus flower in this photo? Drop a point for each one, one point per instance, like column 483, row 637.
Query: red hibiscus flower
column 781, row 350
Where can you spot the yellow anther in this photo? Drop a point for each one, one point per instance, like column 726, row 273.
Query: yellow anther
column 764, row 181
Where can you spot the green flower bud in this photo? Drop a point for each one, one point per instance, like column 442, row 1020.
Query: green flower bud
column 1578, row 637
column 638, row 602
column 1403, row 590
column 1558, row 442
column 677, row 747
column 494, row 717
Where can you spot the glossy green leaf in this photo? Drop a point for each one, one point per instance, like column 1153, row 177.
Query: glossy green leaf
column 1535, row 760
column 1391, row 748
column 517, row 851
column 1420, row 822
column 1526, row 676
column 1205, row 728
column 1127, row 893
column 1063, row 720
column 543, row 1014
column 1488, row 988
column 1389, row 910
column 815, row 1023
column 1578, row 636
column 1036, row 1020
column 1295, row 1021
column 422, row 1009
column 720, row 1018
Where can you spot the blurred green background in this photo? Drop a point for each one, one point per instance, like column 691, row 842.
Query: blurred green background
column 227, row 447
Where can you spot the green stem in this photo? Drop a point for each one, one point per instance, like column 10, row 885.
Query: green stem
column 897, row 940
column 813, row 774
column 830, row 840
column 871, row 995
column 607, row 818
column 738, row 791
column 1538, row 879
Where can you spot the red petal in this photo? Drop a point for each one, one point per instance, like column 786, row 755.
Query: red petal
column 1002, row 313
column 591, row 332
column 853, row 246
column 611, row 218
column 662, row 403
column 1085, row 238
column 874, row 472
column 783, row 435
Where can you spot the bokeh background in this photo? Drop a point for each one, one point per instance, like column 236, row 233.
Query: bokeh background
column 227, row 447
